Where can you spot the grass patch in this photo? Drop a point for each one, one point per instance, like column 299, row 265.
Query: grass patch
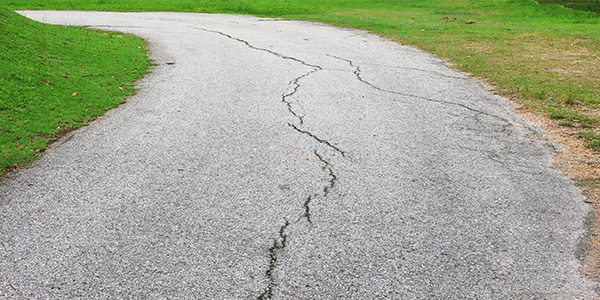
column 570, row 117
column 588, row 5
column 592, row 183
column 591, row 137
column 55, row 79
column 545, row 55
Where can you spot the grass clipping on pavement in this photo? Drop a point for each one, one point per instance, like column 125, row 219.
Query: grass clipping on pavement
column 56, row 78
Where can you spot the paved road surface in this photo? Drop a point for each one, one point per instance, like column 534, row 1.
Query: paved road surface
column 291, row 160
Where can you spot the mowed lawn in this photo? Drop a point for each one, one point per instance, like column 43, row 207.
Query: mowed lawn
column 54, row 79
column 542, row 54
column 545, row 57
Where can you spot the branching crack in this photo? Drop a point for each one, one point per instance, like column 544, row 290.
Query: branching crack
column 295, row 82
column 358, row 75
column 306, row 210
column 327, row 167
column 278, row 244
column 281, row 241
column 509, row 163
column 258, row 48
column 435, row 73
column 320, row 140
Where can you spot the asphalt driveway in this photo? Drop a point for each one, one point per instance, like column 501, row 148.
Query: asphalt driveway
column 291, row 160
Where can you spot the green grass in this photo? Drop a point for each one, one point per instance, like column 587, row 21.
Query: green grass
column 55, row 79
column 589, row 5
column 592, row 138
column 544, row 56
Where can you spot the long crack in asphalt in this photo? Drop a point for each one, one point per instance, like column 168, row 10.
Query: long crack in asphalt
column 296, row 84
column 320, row 140
column 328, row 168
column 280, row 243
column 434, row 73
column 257, row 48
column 357, row 73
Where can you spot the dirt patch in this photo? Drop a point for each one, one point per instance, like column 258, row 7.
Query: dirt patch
column 582, row 165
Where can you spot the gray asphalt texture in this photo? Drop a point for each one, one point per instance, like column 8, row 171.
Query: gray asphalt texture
column 269, row 159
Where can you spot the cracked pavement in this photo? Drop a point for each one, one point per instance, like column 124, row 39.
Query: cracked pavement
column 269, row 159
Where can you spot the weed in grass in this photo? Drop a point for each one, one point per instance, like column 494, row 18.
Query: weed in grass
column 585, row 121
column 572, row 117
column 593, row 138
column 572, row 96
column 590, row 135
column 594, row 144
column 541, row 94
column 56, row 79
column 566, row 123
column 559, row 113
column 589, row 124
column 587, row 5
column 593, row 183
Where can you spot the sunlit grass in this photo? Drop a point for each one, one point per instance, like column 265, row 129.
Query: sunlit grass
column 545, row 57
column 55, row 79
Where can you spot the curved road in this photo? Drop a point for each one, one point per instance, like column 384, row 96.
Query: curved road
column 268, row 159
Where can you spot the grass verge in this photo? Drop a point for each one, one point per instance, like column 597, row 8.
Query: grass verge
column 587, row 5
column 544, row 55
column 55, row 79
